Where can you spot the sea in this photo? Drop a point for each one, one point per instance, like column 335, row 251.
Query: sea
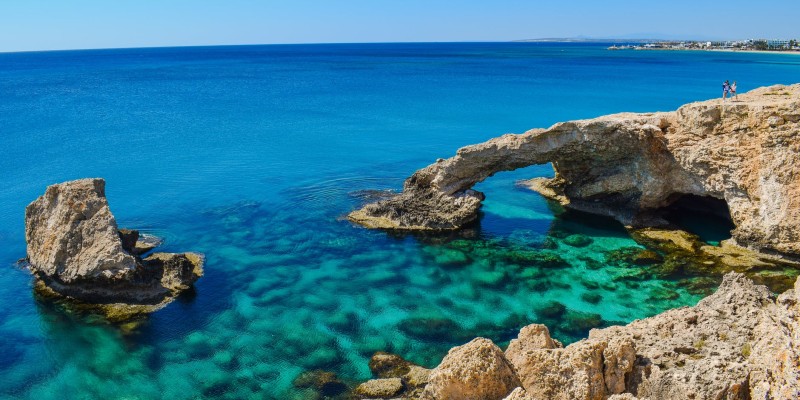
column 253, row 155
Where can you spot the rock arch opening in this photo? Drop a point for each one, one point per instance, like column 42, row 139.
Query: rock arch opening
column 705, row 216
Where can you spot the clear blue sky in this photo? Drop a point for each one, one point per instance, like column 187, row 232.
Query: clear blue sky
column 77, row 24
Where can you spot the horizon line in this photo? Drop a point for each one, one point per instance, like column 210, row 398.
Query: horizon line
column 532, row 40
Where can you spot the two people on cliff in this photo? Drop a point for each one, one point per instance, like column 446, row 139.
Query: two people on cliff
column 727, row 87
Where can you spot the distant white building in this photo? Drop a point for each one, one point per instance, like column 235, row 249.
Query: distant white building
column 778, row 43
column 774, row 43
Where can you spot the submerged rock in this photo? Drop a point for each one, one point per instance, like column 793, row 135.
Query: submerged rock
column 739, row 343
column 392, row 369
column 686, row 253
column 326, row 383
column 578, row 240
column 76, row 250
column 387, row 365
column 380, row 388
column 630, row 166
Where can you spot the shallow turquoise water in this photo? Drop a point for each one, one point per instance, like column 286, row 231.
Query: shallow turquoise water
column 252, row 155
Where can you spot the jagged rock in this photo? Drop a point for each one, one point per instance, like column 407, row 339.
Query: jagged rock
column 629, row 166
column 475, row 371
column 739, row 343
column 75, row 249
column 519, row 394
column 128, row 237
column 386, row 365
column 531, row 337
column 584, row 370
column 380, row 388
column 145, row 243
column 417, row 376
column 624, row 396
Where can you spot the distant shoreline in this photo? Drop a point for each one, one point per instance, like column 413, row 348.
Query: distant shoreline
column 794, row 52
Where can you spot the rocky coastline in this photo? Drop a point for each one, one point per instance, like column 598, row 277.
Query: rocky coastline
column 741, row 342
column 631, row 167
column 76, row 251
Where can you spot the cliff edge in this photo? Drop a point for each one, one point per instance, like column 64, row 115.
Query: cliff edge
column 740, row 343
column 630, row 166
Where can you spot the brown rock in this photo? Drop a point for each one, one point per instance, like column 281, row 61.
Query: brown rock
column 325, row 383
column 76, row 250
column 628, row 165
column 475, row 371
column 532, row 337
column 129, row 237
column 72, row 235
column 739, row 343
column 519, row 394
column 387, row 365
column 417, row 376
column 380, row 388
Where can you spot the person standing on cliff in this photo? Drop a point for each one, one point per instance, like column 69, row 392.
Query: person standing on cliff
column 733, row 90
column 725, row 88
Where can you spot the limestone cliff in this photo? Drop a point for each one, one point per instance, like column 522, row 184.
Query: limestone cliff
column 75, row 249
column 739, row 343
column 629, row 166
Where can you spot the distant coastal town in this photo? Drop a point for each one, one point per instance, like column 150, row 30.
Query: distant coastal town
column 792, row 45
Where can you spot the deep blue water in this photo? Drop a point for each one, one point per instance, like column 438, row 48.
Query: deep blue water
column 253, row 154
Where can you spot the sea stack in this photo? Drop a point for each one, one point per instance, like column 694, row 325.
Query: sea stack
column 740, row 155
column 76, row 250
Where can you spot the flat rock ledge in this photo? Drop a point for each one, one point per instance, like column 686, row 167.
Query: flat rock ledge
column 740, row 343
column 630, row 166
column 75, row 250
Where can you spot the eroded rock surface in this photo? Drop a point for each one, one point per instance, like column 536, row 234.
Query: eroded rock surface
column 739, row 343
column 75, row 249
column 628, row 166
column 475, row 371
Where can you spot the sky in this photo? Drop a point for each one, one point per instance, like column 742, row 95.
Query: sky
column 29, row 25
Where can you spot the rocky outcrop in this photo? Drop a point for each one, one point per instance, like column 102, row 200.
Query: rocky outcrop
column 739, row 343
column 474, row 371
column 629, row 166
column 584, row 370
column 76, row 250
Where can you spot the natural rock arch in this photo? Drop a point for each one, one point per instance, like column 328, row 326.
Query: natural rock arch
column 629, row 165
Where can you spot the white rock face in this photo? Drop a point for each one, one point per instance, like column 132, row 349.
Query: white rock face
column 73, row 236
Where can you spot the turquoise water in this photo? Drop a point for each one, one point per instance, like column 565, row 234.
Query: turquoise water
column 253, row 154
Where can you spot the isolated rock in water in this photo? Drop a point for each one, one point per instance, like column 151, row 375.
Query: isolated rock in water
column 474, row 371
column 72, row 236
column 629, row 166
column 75, row 249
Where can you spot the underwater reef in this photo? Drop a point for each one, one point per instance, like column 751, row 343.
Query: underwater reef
column 741, row 342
